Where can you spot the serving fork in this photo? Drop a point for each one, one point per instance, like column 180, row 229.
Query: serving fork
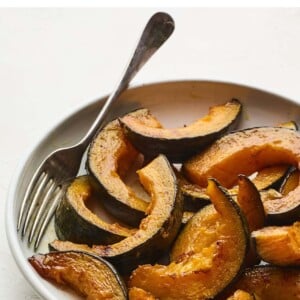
column 46, row 187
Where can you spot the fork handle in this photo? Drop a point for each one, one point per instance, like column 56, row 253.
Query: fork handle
column 157, row 31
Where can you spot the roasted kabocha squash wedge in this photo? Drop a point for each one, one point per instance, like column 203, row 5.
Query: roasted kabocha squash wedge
column 290, row 182
column 271, row 177
column 269, row 283
column 279, row 245
column 180, row 143
column 249, row 200
column 90, row 276
column 76, row 222
column 247, row 151
column 206, row 257
column 156, row 231
column 109, row 157
column 195, row 196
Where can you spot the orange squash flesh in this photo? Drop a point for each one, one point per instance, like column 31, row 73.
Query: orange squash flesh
column 156, row 231
column 218, row 115
column 290, row 182
column 249, row 200
column 109, row 157
column 269, row 177
column 90, row 276
column 150, row 138
column 206, row 257
column 75, row 221
column 241, row 295
column 279, row 245
column 139, row 294
column 245, row 152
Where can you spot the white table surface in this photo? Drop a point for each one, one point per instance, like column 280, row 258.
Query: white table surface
column 53, row 60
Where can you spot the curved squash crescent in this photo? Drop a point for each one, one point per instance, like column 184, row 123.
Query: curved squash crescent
column 150, row 138
column 207, row 256
column 247, row 151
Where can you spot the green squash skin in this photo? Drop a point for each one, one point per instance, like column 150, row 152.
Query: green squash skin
column 176, row 150
column 194, row 200
column 245, row 230
column 284, row 218
column 118, row 209
column 154, row 246
column 115, row 206
column 71, row 226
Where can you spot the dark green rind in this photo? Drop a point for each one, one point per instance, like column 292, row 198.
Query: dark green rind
column 176, row 150
column 71, row 226
column 114, row 205
column 155, row 246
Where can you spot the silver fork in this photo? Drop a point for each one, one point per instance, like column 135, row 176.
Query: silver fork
column 46, row 186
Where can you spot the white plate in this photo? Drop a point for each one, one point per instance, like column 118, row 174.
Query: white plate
column 174, row 103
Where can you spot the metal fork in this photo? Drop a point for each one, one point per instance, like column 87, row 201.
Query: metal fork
column 46, row 187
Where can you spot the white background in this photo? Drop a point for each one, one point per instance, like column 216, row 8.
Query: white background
column 54, row 60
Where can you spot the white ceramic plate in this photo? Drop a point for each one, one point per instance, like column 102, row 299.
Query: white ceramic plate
column 174, row 103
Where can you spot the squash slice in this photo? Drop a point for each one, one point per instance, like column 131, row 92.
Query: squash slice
column 180, row 143
column 109, row 157
column 195, row 196
column 90, row 276
column 156, row 231
column 279, row 245
column 290, row 182
column 247, row 151
column 249, row 200
column 75, row 222
column 206, row 257
column 270, row 283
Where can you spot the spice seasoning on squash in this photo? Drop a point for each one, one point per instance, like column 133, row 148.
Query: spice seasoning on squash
column 207, row 256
